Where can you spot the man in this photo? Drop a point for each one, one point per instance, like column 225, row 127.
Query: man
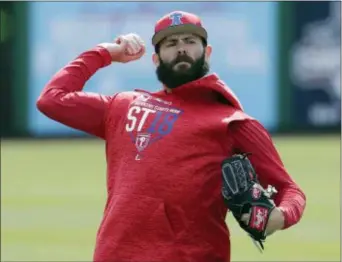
column 164, row 149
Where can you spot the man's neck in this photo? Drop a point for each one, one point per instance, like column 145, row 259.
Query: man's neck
column 167, row 89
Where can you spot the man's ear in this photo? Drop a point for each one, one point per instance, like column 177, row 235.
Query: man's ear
column 208, row 50
column 155, row 59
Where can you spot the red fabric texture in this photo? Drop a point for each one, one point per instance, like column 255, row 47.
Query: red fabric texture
column 164, row 153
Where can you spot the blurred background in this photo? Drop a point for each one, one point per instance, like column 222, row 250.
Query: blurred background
column 282, row 59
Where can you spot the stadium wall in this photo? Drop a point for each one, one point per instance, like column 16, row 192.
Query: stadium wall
column 281, row 49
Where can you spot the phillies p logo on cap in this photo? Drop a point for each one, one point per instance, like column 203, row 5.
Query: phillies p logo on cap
column 176, row 19
column 178, row 22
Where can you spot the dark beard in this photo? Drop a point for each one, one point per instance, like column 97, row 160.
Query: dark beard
column 173, row 78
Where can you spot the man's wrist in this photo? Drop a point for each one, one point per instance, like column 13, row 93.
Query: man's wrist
column 283, row 213
column 276, row 221
column 105, row 54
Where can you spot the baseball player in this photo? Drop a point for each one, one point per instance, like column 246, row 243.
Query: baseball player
column 165, row 149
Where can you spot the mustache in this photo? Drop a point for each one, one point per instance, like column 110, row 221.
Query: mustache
column 183, row 58
column 172, row 79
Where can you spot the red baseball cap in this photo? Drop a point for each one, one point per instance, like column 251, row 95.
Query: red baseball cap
column 178, row 22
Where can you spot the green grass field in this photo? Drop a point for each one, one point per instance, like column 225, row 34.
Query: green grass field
column 53, row 194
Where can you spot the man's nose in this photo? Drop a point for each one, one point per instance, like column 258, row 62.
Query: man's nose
column 181, row 51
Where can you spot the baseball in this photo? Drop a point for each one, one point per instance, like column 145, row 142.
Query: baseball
column 135, row 44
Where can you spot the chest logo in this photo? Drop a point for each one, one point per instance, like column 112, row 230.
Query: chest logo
column 149, row 120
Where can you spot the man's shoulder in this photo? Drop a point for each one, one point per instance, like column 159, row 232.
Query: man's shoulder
column 126, row 96
column 235, row 114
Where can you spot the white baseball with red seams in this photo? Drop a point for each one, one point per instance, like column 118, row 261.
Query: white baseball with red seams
column 125, row 48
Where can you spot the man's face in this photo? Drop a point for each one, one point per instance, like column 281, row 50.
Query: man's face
column 182, row 58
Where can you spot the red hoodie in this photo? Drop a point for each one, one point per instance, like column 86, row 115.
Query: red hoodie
column 164, row 152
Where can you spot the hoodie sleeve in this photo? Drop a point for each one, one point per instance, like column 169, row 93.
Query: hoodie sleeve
column 63, row 100
column 251, row 136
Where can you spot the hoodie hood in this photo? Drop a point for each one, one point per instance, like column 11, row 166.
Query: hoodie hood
column 209, row 87
column 214, row 83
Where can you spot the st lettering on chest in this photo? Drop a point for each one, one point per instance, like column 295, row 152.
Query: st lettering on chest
column 149, row 120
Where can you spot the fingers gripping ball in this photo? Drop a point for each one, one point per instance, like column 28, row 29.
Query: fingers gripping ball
column 133, row 44
column 125, row 48
column 249, row 203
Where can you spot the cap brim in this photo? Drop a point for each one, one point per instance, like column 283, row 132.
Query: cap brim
column 184, row 28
